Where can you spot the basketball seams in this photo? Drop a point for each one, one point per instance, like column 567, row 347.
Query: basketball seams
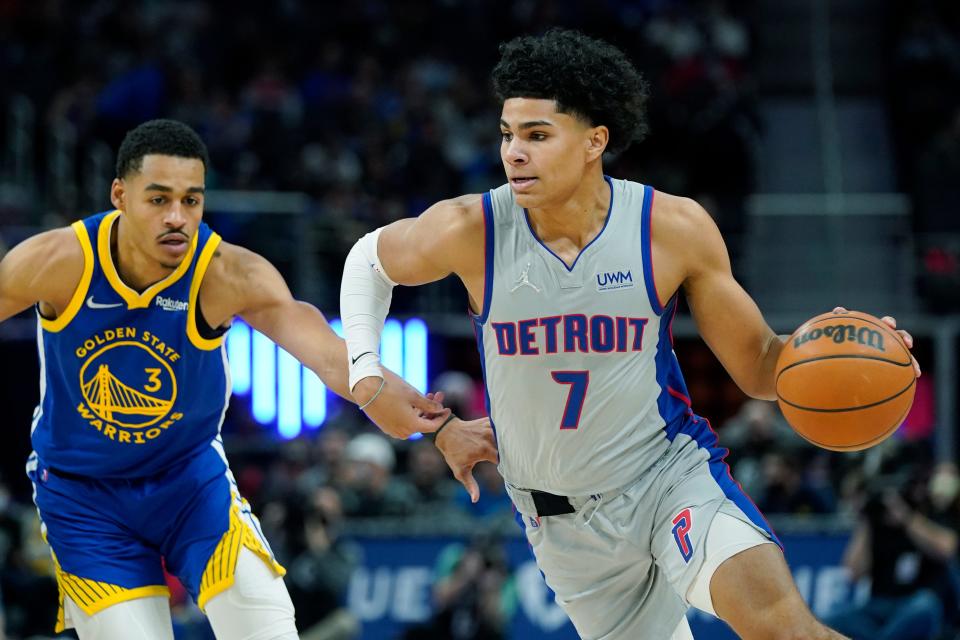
column 848, row 409
column 863, row 445
column 886, row 327
column 841, row 356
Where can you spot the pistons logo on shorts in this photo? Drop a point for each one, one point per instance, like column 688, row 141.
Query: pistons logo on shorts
column 682, row 523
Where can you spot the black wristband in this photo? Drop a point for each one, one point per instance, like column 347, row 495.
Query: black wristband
column 433, row 436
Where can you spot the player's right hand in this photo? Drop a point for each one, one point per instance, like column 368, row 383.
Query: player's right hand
column 464, row 444
column 399, row 410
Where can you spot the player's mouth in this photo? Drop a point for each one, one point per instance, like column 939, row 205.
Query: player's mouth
column 175, row 244
column 522, row 183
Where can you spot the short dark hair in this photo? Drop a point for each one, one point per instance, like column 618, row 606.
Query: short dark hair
column 162, row 137
column 587, row 77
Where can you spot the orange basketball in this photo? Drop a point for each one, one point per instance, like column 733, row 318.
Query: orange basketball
column 845, row 381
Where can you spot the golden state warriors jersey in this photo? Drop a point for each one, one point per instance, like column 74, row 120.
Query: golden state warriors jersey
column 583, row 386
column 128, row 386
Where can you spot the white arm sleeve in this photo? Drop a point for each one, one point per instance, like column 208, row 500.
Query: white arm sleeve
column 365, row 294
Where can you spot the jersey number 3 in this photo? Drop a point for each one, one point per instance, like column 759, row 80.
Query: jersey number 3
column 578, row 381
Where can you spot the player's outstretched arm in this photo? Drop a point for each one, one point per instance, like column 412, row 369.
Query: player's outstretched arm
column 447, row 238
column 726, row 315
column 245, row 284
column 44, row 269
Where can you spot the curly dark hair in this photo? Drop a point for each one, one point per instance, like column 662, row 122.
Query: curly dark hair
column 163, row 137
column 587, row 77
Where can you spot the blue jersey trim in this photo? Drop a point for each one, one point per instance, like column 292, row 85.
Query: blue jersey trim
column 677, row 412
column 488, row 240
column 478, row 334
column 526, row 216
column 646, row 249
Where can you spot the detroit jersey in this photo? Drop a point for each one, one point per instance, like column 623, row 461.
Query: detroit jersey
column 128, row 386
column 583, row 386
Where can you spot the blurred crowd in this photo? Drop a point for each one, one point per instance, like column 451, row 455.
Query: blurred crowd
column 924, row 98
column 376, row 112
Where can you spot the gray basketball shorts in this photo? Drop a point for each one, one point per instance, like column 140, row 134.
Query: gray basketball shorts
column 622, row 564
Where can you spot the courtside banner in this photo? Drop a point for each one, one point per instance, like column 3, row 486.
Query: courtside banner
column 391, row 589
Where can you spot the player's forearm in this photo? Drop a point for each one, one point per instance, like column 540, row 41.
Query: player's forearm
column 763, row 386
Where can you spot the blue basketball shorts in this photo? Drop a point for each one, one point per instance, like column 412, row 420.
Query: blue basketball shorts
column 112, row 538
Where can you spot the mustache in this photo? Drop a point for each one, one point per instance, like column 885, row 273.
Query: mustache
column 172, row 234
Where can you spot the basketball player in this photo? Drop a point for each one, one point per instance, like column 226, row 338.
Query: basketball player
column 129, row 470
column 573, row 279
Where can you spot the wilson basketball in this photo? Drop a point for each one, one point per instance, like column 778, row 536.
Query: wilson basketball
column 845, row 381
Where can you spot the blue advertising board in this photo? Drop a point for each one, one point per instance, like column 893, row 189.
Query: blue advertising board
column 392, row 588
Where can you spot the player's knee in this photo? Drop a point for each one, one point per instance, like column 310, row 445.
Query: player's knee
column 256, row 607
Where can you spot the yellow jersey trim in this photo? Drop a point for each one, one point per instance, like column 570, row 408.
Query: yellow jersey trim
column 133, row 299
column 202, row 263
column 60, row 322
column 93, row 596
column 222, row 566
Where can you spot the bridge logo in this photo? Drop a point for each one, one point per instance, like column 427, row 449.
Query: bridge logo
column 128, row 385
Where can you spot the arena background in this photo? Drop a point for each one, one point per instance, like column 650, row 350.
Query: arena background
column 824, row 136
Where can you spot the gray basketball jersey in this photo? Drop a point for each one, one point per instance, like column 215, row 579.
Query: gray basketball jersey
column 583, row 386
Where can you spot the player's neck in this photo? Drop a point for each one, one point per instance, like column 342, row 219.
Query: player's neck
column 137, row 270
column 578, row 218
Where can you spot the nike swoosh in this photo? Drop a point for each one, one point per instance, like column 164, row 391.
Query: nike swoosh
column 354, row 360
column 97, row 305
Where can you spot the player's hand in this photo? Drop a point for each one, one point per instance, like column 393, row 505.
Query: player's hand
column 399, row 409
column 464, row 444
column 891, row 322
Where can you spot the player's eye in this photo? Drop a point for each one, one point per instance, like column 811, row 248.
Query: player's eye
column 192, row 202
column 538, row 136
column 506, row 135
column 157, row 200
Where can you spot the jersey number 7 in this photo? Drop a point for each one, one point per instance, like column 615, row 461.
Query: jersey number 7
column 578, row 381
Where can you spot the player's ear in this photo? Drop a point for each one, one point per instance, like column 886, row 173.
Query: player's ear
column 117, row 193
column 597, row 140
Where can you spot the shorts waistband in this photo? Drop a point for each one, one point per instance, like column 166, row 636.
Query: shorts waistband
column 536, row 503
column 541, row 504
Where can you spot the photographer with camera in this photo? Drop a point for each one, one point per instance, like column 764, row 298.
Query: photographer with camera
column 906, row 543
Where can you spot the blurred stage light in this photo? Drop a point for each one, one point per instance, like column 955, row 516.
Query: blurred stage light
column 285, row 395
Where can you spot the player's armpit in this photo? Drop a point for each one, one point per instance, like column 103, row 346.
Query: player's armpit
column 727, row 317
column 46, row 268
column 446, row 238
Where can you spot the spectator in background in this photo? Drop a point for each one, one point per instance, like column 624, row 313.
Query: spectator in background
column 474, row 595
column 494, row 501
column 757, row 429
column 318, row 577
column 906, row 543
column 786, row 489
column 428, row 474
column 369, row 489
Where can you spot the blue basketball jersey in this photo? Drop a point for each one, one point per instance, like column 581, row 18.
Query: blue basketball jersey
column 128, row 386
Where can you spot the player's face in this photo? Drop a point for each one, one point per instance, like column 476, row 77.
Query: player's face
column 545, row 153
column 162, row 206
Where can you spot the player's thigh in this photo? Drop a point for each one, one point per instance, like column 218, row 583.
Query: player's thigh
column 256, row 607
column 604, row 581
column 753, row 591
column 139, row 619
column 726, row 536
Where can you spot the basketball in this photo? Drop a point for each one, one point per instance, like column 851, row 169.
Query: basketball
column 845, row 381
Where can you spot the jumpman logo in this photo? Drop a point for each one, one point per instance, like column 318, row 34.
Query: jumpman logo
column 524, row 280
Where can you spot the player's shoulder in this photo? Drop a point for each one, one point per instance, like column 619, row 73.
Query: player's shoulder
column 57, row 252
column 231, row 264
column 679, row 213
column 461, row 208
column 456, row 217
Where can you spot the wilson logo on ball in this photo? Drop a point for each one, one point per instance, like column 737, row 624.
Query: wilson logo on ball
column 841, row 333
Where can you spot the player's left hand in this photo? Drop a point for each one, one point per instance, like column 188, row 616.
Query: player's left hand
column 891, row 322
column 463, row 444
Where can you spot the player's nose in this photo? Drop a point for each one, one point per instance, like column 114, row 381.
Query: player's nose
column 174, row 216
column 515, row 153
